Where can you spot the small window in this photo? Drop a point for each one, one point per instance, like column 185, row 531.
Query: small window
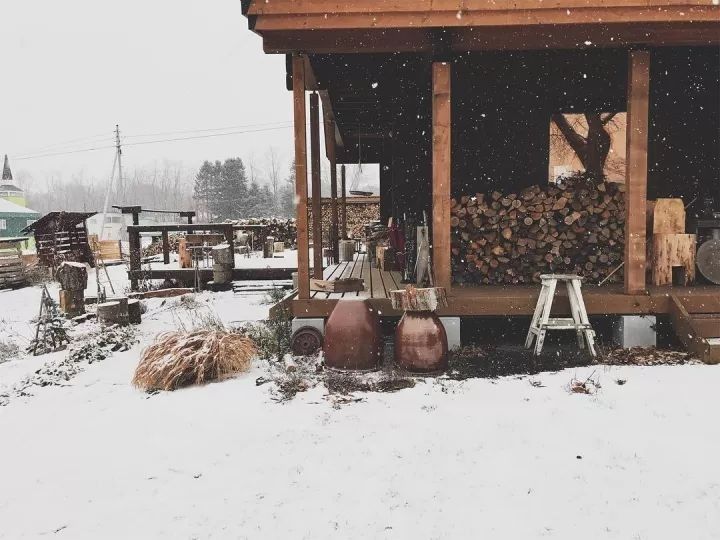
column 3, row 224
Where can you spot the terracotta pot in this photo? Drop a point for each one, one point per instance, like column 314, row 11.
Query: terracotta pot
column 353, row 338
column 421, row 342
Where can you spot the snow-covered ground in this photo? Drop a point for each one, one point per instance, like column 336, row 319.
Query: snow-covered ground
column 446, row 459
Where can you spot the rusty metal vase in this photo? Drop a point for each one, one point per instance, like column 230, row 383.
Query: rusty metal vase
column 421, row 344
column 353, row 337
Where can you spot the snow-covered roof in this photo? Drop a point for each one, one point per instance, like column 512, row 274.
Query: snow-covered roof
column 7, row 207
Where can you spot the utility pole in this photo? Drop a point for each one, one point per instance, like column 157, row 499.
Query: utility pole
column 118, row 148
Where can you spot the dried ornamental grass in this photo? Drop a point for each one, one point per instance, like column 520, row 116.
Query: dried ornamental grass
column 178, row 359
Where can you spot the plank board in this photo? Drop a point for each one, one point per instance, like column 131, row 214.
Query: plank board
column 441, row 171
column 299, row 112
column 636, row 170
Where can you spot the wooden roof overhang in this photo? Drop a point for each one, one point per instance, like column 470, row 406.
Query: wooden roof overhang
column 333, row 32
column 332, row 26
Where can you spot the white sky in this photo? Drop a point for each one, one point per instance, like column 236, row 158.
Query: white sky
column 74, row 68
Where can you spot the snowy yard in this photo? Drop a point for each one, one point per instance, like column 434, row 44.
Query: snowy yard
column 502, row 458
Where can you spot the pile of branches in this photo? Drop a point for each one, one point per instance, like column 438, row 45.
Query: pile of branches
column 94, row 345
column 282, row 230
column 648, row 356
column 156, row 248
column 574, row 227
column 178, row 359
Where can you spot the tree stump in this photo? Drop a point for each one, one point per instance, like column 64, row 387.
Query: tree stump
column 222, row 264
column 269, row 248
column 72, row 276
column 412, row 299
column 134, row 311
column 673, row 250
column 113, row 312
column 72, row 303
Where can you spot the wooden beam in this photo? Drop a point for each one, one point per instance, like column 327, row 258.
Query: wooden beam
column 333, row 8
column 329, row 116
column 301, row 190
column 348, row 15
column 334, row 227
column 316, row 186
column 441, row 156
column 636, row 170
column 484, row 38
column 343, row 226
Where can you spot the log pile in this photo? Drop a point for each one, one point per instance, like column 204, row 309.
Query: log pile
column 577, row 227
column 358, row 215
column 282, row 230
column 156, row 248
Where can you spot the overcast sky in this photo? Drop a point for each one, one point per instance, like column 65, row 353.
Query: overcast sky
column 72, row 69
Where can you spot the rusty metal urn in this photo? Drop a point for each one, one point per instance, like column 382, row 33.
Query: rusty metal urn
column 353, row 337
column 421, row 344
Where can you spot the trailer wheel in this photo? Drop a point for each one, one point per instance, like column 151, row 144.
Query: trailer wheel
column 306, row 341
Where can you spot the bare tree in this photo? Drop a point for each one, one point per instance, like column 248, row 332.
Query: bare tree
column 273, row 165
column 592, row 148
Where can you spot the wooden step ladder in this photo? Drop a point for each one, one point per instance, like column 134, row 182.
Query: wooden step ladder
column 541, row 321
column 699, row 332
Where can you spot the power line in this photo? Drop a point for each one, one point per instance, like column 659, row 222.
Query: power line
column 207, row 136
column 205, row 130
column 103, row 137
column 139, row 143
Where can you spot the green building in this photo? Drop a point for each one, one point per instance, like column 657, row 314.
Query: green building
column 14, row 216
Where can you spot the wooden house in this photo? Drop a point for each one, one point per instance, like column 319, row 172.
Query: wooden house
column 60, row 237
column 14, row 216
column 454, row 98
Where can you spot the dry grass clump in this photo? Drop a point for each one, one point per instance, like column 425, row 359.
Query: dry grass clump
column 178, row 359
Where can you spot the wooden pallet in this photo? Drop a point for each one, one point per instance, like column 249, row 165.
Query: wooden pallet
column 699, row 332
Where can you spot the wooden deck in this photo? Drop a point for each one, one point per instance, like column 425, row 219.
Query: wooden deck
column 503, row 301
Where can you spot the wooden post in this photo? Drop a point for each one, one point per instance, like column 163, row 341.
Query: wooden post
column 134, row 240
column 298, row 63
column 441, row 174
column 316, row 190
column 343, row 203
column 230, row 241
column 636, row 170
column 166, row 247
column 334, row 230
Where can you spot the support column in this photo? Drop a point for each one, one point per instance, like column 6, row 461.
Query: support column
column 301, row 192
column 166, row 247
column 636, row 170
column 316, row 188
column 441, row 155
column 334, row 234
column 343, row 204
column 386, row 185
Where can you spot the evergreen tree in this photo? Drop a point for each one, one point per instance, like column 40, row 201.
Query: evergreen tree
column 287, row 196
column 221, row 189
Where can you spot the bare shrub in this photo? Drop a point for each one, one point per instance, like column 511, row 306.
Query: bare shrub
column 178, row 359
column 8, row 351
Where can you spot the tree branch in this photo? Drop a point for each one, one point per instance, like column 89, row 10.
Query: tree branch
column 609, row 117
column 576, row 141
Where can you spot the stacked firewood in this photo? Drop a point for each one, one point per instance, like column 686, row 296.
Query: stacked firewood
column 282, row 230
column 358, row 215
column 575, row 227
column 156, row 248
